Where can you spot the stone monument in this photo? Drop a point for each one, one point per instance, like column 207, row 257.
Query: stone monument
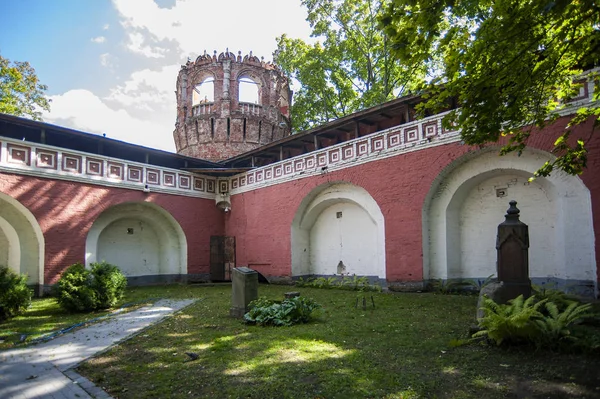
column 512, row 266
column 244, row 289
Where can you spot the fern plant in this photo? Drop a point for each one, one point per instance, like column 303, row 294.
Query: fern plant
column 558, row 297
column 324, row 282
column 556, row 325
column 512, row 322
column 542, row 323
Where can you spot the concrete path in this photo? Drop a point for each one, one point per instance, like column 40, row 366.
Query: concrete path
column 45, row 370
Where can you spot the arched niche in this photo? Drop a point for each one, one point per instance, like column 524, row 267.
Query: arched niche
column 338, row 228
column 470, row 198
column 21, row 240
column 141, row 238
column 204, row 92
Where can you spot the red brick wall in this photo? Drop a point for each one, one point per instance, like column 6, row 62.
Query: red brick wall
column 67, row 210
column 261, row 219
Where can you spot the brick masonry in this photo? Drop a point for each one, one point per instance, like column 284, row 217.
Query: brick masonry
column 66, row 211
column 261, row 219
column 223, row 128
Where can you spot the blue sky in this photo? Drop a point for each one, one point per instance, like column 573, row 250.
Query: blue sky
column 111, row 65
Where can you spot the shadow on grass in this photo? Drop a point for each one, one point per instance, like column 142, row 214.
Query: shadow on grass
column 397, row 350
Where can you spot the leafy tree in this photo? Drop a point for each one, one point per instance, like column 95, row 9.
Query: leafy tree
column 351, row 69
column 505, row 63
column 21, row 93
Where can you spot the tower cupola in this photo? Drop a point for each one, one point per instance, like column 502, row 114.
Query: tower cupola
column 228, row 105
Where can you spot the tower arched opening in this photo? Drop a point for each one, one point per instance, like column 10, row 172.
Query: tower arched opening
column 204, row 92
column 249, row 90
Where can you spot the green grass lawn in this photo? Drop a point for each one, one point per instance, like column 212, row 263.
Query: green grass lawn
column 44, row 316
column 399, row 349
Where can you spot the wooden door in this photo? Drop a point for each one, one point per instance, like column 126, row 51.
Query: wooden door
column 222, row 257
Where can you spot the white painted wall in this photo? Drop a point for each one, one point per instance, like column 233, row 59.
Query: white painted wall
column 482, row 211
column 24, row 242
column 4, row 248
column 459, row 241
column 320, row 240
column 137, row 254
column 351, row 239
column 157, row 245
column 10, row 246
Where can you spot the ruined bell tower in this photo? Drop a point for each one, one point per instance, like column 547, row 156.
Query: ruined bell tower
column 228, row 104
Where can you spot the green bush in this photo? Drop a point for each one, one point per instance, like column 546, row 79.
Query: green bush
column 109, row 284
column 350, row 283
column 542, row 323
column 15, row 296
column 73, row 291
column 286, row 313
column 83, row 290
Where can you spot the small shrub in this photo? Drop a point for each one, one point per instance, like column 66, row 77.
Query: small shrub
column 15, row 296
column 302, row 283
column 356, row 283
column 353, row 283
column 448, row 287
column 109, row 284
column 286, row 313
column 324, row 282
column 74, row 292
column 83, row 290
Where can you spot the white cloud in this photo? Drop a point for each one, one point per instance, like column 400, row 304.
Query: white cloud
column 83, row 110
column 99, row 39
column 142, row 108
column 148, row 89
column 237, row 24
column 108, row 60
column 136, row 45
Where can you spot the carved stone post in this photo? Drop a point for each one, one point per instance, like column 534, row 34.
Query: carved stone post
column 512, row 245
column 226, row 99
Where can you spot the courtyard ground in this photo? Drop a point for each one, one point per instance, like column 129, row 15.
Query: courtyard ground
column 399, row 349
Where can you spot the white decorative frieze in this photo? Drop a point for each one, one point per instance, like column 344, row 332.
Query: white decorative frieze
column 52, row 162
column 397, row 140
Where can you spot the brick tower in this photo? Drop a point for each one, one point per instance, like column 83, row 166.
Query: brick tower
column 228, row 104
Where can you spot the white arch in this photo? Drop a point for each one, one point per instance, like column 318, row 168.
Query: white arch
column 13, row 247
column 567, row 198
column 172, row 240
column 313, row 206
column 28, row 249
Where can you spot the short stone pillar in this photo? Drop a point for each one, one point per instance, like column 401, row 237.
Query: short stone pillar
column 512, row 245
column 512, row 266
column 244, row 289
